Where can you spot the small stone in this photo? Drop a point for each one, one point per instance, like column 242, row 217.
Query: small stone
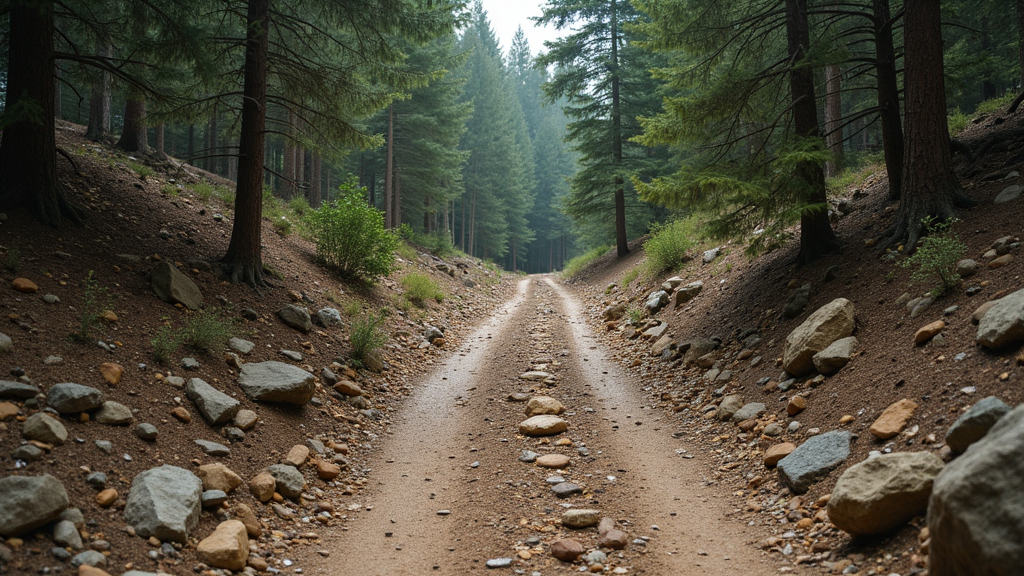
column 227, row 547
column 114, row 414
column 190, row 363
column 106, row 498
column 218, row 476
column 65, row 533
column 97, row 480
column 893, row 419
column 292, row 355
column 90, row 558
column 214, row 449
column 543, row 425
column 553, row 461
column 776, row 453
column 528, row 456
column 929, row 331
column 1001, row 261
column 24, row 285
column 567, row 550
column 540, row 405
column 213, row 498
column 796, row 405
column 262, row 486
column 44, row 428
column 181, row 414
column 566, row 489
column 348, row 388
column 146, row 431
column 246, row 419
column 297, row 456
column 580, row 518
column 499, row 562
column 327, row 471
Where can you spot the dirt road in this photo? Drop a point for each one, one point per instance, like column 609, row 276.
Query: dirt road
column 449, row 491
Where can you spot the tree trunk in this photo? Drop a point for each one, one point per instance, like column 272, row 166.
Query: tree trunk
column 398, row 200
column 462, row 224
column 472, row 223
column 133, row 135
column 28, row 150
column 99, row 101
column 300, row 171
column 58, row 91
column 191, row 144
column 160, row 154
column 288, row 168
column 888, row 97
column 244, row 259
column 930, row 186
column 816, row 235
column 988, row 87
column 833, row 119
column 212, row 161
column 389, row 219
column 1020, row 40
column 621, row 240
column 315, row 189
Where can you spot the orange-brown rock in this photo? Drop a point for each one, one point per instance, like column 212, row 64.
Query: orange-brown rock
column 86, row 570
column 181, row 414
column 778, row 452
column 7, row 410
column 929, row 331
column 262, row 486
column 227, row 547
column 297, row 456
column 327, row 471
column 106, row 498
column 112, row 372
column 24, row 285
column 796, row 405
column 893, row 419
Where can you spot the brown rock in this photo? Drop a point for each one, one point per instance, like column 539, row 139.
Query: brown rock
column 439, row 342
column 997, row 263
column 543, row 405
column 245, row 419
column 7, row 410
column 24, row 285
column 609, row 536
column 227, row 547
column 112, row 372
column 297, row 456
column 258, row 564
column 893, row 419
column 108, row 316
column 976, row 317
column 86, row 570
column 327, row 471
column 778, row 452
column 181, row 414
column 567, row 549
column 553, row 461
column 926, row 333
column 262, row 486
column 245, row 515
column 349, row 373
column 348, row 388
column 796, row 405
column 219, row 477
column 106, row 498
column 543, row 425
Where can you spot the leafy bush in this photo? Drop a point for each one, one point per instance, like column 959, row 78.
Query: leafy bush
column 669, row 245
column 420, row 288
column 635, row 315
column 170, row 190
column 350, row 236
column 95, row 301
column 204, row 190
column 299, row 205
column 165, row 343
column 576, row 265
column 937, row 255
column 206, row 331
column 282, row 225
column 367, row 336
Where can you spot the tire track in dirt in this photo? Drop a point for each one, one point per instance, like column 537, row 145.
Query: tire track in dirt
column 455, row 449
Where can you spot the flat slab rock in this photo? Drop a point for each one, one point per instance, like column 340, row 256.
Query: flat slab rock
column 814, row 459
column 543, row 425
column 70, row 398
column 276, row 382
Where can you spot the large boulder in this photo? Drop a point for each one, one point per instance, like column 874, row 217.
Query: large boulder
column 976, row 513
column 68, row 398
column 972, row 425
column 44, row 428
column 884, row 492
column 170, row 285
column 827, row 324
column 836, row 356
column 277, row 382
column 813, row 460
column 28, row 502
column 1003, row 324
column 165, row 502
column 656, row 301
column 687, row 293
column 227, row 547
column 216, row 406
column 296, row 317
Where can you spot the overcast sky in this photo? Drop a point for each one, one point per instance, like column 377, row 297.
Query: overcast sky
column 508, row 15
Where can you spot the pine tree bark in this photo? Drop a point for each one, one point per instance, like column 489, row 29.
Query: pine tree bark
column 316, row 184
column 833, row 119
column 58, row 91
column 816, row 235
column 159, row 149
column 621, row 240
column 1020, row 40
column 212, row 160
column 288, row 171
column 28, row 150
column 99, row 101
column 888, row 97
column 133, row 134
column 930, row 185
column 389, row 218
column 244, row 259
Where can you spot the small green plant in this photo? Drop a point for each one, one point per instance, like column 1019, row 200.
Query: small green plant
column 890, row 276
column 576, row 265
column 299, row 205
column 12, row 263
column 350, row 236
column 204, row 190
column 352, row 308
column 283, row 226
column 420, row 288
column 141, row 169
column 937, row 255
column 206, row 331
column 170, row 190
column 95, row 301
column 367, row 336
column 630, row 276
column 634, row 314
column 165, row 344
column 406, row 252
column 669, row 246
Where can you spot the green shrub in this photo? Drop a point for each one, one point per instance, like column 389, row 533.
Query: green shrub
column 170, row 190
column 420, row 288
column 937, row 255
column 299, row 205
column 204, row 190
column 669, row 245
column 282, row 225
column 350, row 236
column 206, row 331
column 635, row 315
column 165, row 344
column 576, row 265
column 633, row 274
column 406, row 252
column 141, row 169
column 367, row 336
column 12, row 263
column 352, row 308
column 95, row 301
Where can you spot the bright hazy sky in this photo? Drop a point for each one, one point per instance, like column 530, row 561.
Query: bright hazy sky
column 508, row 15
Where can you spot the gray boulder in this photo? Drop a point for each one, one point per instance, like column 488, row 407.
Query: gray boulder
column 6, row 344
column 748, row 411
column 10, row 390
column 170, row 285
column 836, row 356
column 374, row 361
column 114, row 414
column 814, row 459
column 709, row 255
column 68, row 398
column 328, row 317
column 729, row 407
column 165, row 502
column 972, row 425
column 276, row 382
column 695, row 349
column 66, row 534
column 884, row 492
column 296, row 317
column 215, row 406
column 976, row 514
column 241, row 346
column 431, row 333
column 797, row 302
column 44, row 428
column 28, row 502
column 687, row 293
column 614, row 312
column 967, row 268
column 90, row 558
column 1009, row 194
column 290, row 481
column 1003, row 324
column 656, row 301
column 827, row 324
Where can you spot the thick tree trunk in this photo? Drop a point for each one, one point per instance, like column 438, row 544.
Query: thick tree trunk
column 930, row 185
column 191, row 144
column 58, row 91
column 472, row 224
column 888, row 97
column 28, row 150
column 244, row 259
column 159, row 151
column 1020, row 41
column 988, row 87
column 833, row 119
column 99, row 102
column 315, row 189
column 621, row 240
column 816, row 235
column 212, row 160
column 398, row 200
column 389, row 218
column 288, row 168
column 300, row 170
column 133, row 135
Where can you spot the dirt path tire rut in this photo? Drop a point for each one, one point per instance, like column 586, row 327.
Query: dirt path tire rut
column 448, row 492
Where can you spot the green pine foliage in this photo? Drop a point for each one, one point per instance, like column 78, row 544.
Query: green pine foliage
column 350, row 236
